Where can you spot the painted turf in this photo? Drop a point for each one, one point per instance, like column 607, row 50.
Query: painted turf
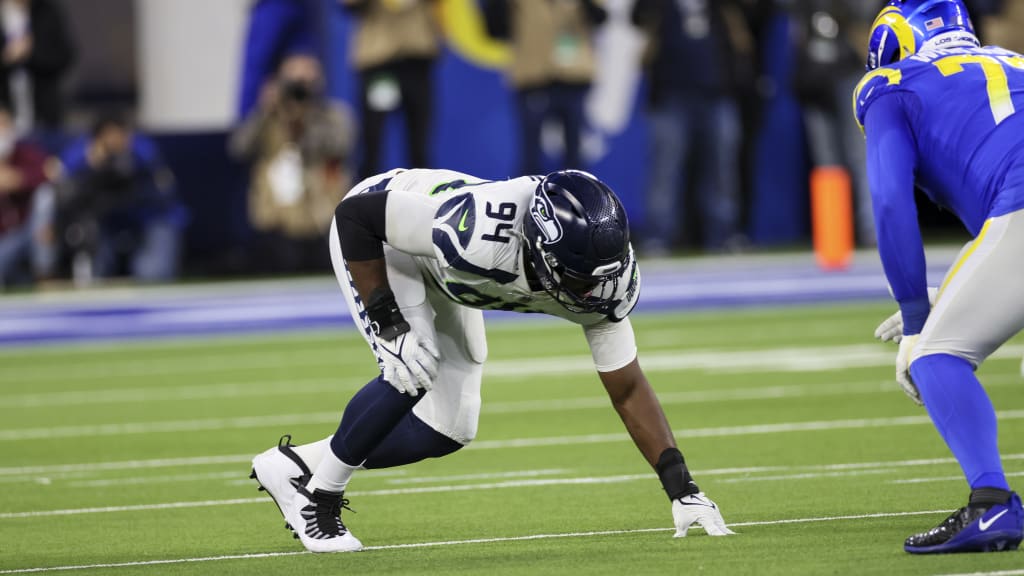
column 523, row 538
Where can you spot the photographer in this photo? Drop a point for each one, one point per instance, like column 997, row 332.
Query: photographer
column 299, row 144
column 24, row 200
column 118, row 205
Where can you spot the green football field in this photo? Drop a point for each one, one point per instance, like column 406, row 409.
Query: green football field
column 134, row 458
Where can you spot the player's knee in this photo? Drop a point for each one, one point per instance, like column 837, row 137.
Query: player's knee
column 923, row 368
column 927, row 347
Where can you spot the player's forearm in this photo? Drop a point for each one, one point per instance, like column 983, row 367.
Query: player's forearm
column 368, row 276
column 902, row 253
column 647, row 425
column 891, row 165
column 640, row 411
column 360, row 225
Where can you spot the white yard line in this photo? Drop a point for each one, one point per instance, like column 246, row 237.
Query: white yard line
column 244, row 422
column 132, row 508
column 530, row 483
column 996, row 573
column 250, row 389
column 497, row 540
column 959, row 477
column 234, row 477
column 162, row 479
column 481, row 476
column 789, row 359
column 715, row 362
column 756, row 429
column 241, row 389
column 52, row 469
column 282, row 420
column 806, row 476
column 195, row 364
column 528, row 479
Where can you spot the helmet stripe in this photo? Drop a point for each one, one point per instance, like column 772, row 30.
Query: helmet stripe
column 893, row 19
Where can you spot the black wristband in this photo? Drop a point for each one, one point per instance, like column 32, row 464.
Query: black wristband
column 675, row 477
column 386, row 320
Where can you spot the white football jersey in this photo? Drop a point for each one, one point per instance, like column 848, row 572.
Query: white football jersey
column 477, row 236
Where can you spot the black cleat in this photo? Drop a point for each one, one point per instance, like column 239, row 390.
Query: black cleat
column 986, row 528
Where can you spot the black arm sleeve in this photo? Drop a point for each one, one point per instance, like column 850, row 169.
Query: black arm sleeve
column 361, row 229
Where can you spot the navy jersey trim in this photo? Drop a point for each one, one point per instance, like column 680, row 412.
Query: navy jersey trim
column 451, row 255
column 463, row 217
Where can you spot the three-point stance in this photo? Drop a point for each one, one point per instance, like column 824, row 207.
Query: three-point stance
column 941, row 112
column 418, row 254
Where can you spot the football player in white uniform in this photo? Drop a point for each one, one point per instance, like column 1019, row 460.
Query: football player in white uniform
column 418, row 254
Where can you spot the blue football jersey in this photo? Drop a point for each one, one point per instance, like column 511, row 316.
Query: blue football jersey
column 950, row 121
column 963, row 107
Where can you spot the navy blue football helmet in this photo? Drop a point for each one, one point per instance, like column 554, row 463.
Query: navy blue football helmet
column 577, row 239
column 905, row 27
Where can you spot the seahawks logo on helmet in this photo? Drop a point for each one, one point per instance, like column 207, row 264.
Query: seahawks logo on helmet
column 543, row 214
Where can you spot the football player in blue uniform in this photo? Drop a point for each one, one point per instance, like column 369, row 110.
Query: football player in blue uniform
column 418, row 254
column 943, row 113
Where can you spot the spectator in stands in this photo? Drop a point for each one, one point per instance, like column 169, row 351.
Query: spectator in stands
column 552, row 69
column 299, row 144
column 276, row 28
column 395, row 45
column 22, row 214
column 37, row 52
column 1004, row 28
column 828, row 68
column 694, row 121
column 119, row 209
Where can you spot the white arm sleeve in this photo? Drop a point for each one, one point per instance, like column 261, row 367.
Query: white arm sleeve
column 409, row 222
column 612, row 344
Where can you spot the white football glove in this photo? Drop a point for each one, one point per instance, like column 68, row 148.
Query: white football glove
column 409, row 362
column 903, row 378
column 700, row 509
column 891, row 329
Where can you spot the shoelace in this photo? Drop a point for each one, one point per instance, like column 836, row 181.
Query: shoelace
column 325, row 509
column 955, row 520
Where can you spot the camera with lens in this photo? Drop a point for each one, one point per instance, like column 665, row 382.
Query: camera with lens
column 296, row 91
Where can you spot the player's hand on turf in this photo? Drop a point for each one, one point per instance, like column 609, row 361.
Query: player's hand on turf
column 903, row 378
column 410, row 362
column 698, row 508
column 891, row 329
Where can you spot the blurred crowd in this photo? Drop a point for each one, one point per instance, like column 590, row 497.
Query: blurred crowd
column 104, row 204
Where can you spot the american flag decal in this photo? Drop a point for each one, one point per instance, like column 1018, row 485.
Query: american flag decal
column 933, row 24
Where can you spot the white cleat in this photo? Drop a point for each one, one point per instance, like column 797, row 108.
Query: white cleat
column 698, row 508
column 316, row 519
column 278, row 471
